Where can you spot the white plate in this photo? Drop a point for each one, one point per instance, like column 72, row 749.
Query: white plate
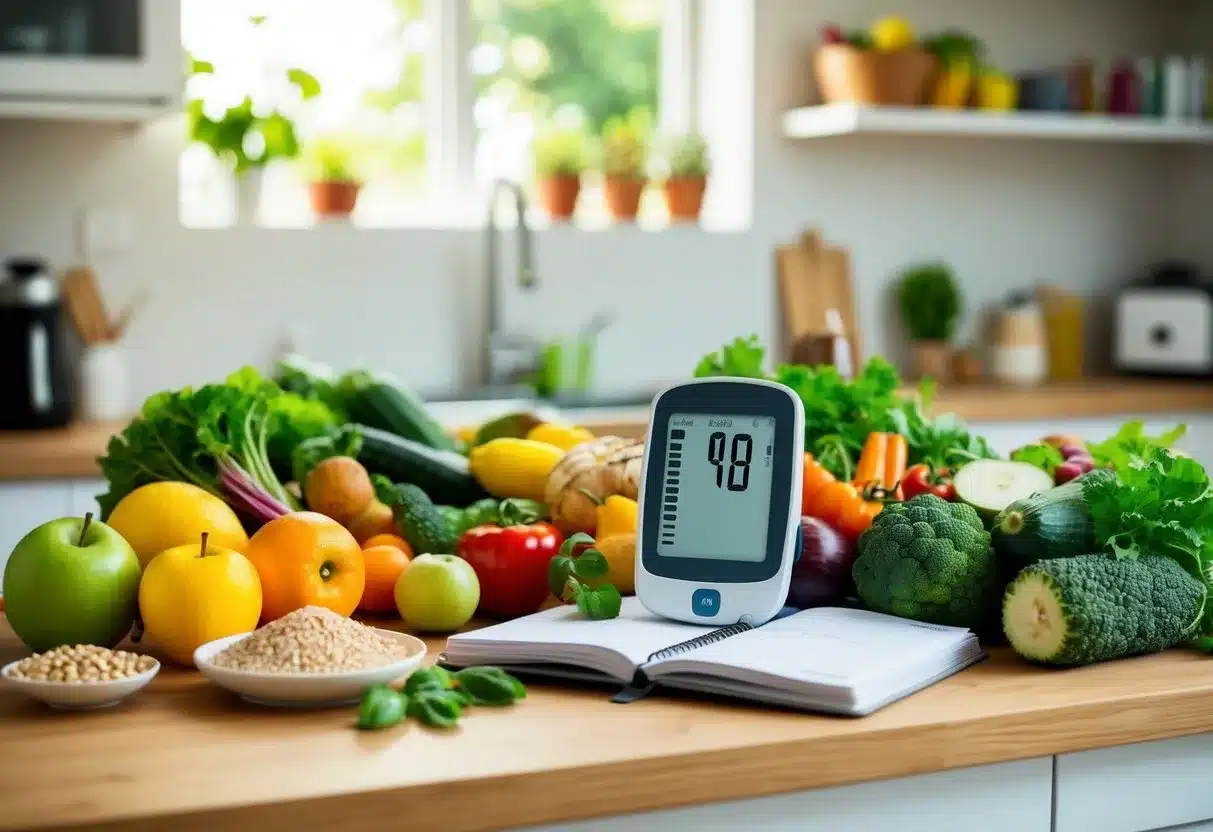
column 79, row 697
column 305, row 689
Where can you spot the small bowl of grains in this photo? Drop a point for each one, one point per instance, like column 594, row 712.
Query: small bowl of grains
column 310, row 657
column 81, row 676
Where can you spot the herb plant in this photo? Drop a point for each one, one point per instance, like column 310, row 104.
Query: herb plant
column 577, row 579
column 687, row 157
column 561, row 153
column 625, row 148
column 930, row 303
column 436, row 697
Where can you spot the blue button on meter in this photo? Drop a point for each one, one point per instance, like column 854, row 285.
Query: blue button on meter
column 705, row 603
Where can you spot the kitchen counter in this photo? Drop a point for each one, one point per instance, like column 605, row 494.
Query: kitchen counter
column 72, row 452
column 186, row 755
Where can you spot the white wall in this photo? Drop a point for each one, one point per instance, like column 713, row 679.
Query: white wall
column 1004, row 214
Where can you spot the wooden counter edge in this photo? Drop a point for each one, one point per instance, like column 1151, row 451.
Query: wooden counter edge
column 584, row 792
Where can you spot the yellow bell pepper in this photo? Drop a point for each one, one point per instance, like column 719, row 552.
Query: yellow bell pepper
column 953, row 88
column 617, row 516
column 997, row 92
column 620, row 553
column 514, row 467
column 565, row 437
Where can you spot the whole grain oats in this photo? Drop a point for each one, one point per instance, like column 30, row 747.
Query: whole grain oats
column 79, row 664
column 311, row 640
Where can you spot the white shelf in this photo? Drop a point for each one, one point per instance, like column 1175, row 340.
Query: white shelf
column 851, row 119
column 115, row 112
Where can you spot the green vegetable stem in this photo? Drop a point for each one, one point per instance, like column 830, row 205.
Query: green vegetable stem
column 568, row 579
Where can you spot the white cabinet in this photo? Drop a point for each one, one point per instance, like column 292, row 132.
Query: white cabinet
column 1135, row 788
column 90, row 58
column 1010, row 797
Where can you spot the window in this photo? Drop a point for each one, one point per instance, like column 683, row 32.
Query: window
column 443, row 96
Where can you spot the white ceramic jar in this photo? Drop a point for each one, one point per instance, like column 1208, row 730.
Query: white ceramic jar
column 104, row 385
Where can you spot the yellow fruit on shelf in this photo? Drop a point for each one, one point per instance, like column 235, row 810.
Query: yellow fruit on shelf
column 565, row 437
column 997, row 92
column 891, row 34
column 161, row 515
column 514, row 467
column 193, row 594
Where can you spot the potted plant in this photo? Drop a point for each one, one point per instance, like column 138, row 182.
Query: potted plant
column 686, row 181
column 625, row 156
column 930, row 303
column 331, row 166
column 248, row 136
column 560, row 160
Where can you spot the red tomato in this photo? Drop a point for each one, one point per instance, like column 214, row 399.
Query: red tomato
column 512, row 566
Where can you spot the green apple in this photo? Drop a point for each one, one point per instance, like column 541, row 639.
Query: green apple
column 72, row 581
column 437, row 593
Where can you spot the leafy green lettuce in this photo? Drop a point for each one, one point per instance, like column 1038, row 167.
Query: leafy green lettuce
column 1132, row 443
column 218, row 437
column 839, row 414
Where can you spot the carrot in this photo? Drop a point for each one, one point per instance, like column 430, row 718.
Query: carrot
column 896, row 456
column 871, row 467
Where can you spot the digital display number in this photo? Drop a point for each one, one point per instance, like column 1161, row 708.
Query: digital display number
column 740, row 454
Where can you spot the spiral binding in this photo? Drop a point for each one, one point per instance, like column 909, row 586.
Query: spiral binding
column 700, row 641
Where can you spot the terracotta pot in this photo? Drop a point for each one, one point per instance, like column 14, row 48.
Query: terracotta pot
column 558, row 196
column 933, row 359
column 684, row 197
column 333, row 199
column 898, row 79
column 623, row 195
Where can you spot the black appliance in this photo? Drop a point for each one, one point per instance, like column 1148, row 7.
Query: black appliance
column 35, row 374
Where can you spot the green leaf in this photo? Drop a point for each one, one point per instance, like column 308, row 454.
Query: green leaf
column 381, row 707
column 311, row 452
column 518, row 511
column 489, row 686
column 590, row 565
column 198, row 67
column 1042, row 455
column 385, row 490
column 436, row 708
column 599, row 604
column 429, row 678
column 308, row 86
column 572, row 542
column 560, row 570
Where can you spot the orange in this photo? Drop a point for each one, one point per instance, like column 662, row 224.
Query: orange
column 384, row 564
column 389, row 540
column 307, row 559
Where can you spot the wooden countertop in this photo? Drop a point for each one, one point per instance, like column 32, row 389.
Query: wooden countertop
column 185, row 755
column 73, row 452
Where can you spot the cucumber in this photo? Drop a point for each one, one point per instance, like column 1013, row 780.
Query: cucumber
column 422, row 523
column 1051, row 524
column 443, row 475
column 990, row 485
column 399, row 411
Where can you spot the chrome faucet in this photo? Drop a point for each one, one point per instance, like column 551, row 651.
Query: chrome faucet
column 510, row 359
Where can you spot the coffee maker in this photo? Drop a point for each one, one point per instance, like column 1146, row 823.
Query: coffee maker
column 35, row 376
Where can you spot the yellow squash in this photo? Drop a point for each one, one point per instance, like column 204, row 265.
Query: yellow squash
column 514, row 467
column 565, row 437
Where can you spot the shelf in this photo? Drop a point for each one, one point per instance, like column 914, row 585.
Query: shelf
column 111, row 112
column 851, row 119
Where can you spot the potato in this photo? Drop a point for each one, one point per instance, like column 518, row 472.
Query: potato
column 375, row 519
column 340, row 488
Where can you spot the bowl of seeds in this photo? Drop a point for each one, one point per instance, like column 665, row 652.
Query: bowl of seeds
column 81, row 676
column 310, row 657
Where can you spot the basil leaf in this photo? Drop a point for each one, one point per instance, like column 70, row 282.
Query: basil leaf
column 599, row 604
column 572, row 542
column 592, row 564
column 489, row 686
column 381, row 707
column 429, row 678
column 436, row 708
column 560, row 568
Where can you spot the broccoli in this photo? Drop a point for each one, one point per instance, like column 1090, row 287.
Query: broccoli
column 1091, row 608
column 930, row 560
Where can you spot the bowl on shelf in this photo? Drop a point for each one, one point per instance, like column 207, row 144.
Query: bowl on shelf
column 79, row 696
column 306, row 689
column 896, row 79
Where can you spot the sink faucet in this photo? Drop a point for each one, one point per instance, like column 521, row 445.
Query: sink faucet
column 510, row 358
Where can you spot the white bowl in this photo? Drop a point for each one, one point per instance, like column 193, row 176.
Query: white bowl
column 305, row 689
column 82, row 696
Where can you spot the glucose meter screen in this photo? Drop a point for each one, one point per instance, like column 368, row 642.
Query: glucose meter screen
column 716, row 492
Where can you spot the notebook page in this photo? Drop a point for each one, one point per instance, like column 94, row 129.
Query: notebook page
column 636, row 633
column 832, row 646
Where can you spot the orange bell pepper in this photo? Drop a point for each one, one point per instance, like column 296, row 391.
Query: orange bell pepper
column 844, row 506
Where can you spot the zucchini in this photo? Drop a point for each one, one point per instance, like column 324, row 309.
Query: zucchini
column 1046, row 526
column 397, row 410
column 990, row 485
column 421, row 523
column 443, row 475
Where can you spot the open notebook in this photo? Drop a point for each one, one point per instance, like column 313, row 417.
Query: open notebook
column 843, row 661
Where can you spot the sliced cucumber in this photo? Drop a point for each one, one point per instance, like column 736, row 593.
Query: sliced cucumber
column 990, row 485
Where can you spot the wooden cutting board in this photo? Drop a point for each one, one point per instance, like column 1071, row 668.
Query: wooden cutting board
column 815, row 277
